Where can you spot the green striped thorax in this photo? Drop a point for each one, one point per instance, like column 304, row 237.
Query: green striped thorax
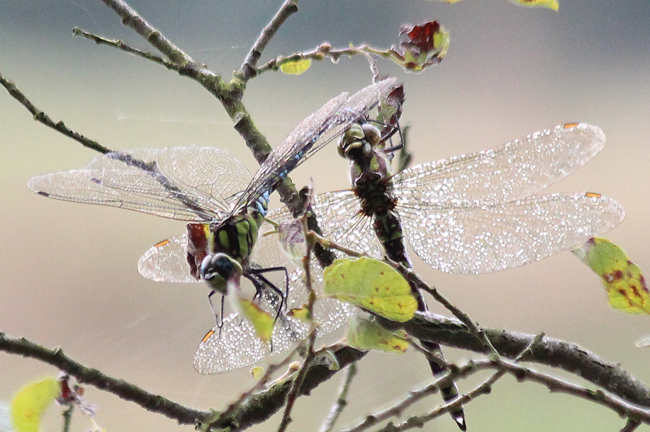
column 216, row 252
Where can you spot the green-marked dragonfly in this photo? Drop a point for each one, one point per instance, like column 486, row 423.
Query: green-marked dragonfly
column 224, row 207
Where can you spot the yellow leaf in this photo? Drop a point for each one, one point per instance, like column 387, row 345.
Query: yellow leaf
column 295, row 67
column 367, row 335
column 622, row 278
column 260, row 319
column 31, row 402
column 257, row 372
column 372, row 285
column 301, row 313
column 550, row 4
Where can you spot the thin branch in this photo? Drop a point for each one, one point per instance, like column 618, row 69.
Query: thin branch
column 130, row 18
column 124, row 390
column 311, row 339
column 341, row 401
column 99, row 40
column 414, row 396
column 40, row 116
column 622, row 408
column 319, row 53
column 263, row 405
column 248, row 68
column 548, row 351
column 631, row 425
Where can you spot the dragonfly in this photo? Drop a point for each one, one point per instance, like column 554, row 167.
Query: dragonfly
column 471, row 214
column 364, row 145
column 224, row 207
column 475, row 213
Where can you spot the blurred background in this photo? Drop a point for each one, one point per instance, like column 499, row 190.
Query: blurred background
column 69, row 276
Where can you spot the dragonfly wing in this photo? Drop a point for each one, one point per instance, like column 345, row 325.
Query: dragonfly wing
column 512, row 171
column 329, row 313
column 483, row 238
column 236, row 345
column 313, row 133
column 167, row 262
column 184, row 183
column 342, row 221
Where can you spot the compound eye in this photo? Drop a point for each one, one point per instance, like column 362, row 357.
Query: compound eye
column 217, row 269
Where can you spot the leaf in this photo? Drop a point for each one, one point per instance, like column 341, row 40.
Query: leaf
column 295, row 67
column 622, row 278
column 258, row 372
column 31, row 402
column 550, row 4
column 368, row 335
column 261, row 320
column 425, row 45
column 372, row 285
column 301, row 313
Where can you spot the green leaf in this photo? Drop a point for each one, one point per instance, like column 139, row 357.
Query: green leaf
column 261, row 320
column 31, row 402
column 622, row 278
column 368, row 335
column 549, row 4
column 372, row 285
column 295, row 67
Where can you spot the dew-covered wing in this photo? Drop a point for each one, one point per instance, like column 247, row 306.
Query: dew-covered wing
column 184, row 183
column 512, row 171
column 482, row 237
column 167, row 262
column 341, row 220
column 313, row 133
column 236, row 345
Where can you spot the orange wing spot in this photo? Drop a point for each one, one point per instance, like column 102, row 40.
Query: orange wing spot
column 208, row 335
column 162, row 243
column 570, row 125
column 593, row 195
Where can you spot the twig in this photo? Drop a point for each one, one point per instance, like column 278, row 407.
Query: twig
column 233, row 407
column 631, row 425
column 410, row 275
column 341, row 401
column 248, row 68
column 311, row 339
column 319, row 53
column 130, row 18
column 67, row 418
column 47, row 121
column 548, row 351
column 414, row 396
column 264, row 404
column 118, row 387
column 99, row 40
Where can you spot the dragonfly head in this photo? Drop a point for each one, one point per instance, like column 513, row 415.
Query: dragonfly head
column 219, row 269
column 358, row 141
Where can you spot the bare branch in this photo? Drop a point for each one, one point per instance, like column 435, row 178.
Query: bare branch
column 548, row 351
column 341, row 402
column 248, row 68
column 99, row 40
column 131, row 18
column 263, row 405
column 126, row 391
column 47, row 121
